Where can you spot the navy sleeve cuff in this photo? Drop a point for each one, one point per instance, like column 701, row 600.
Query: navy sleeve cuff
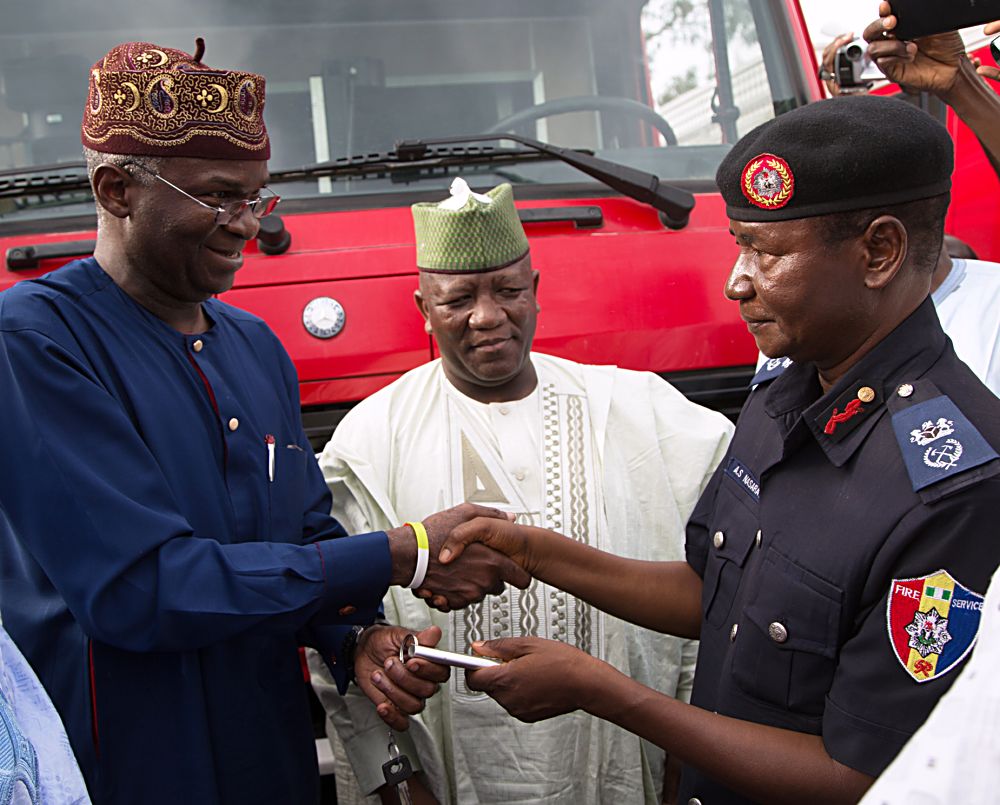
column 329, row 641
column 357, row 571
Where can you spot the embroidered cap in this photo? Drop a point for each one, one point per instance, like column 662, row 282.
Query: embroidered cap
column 469, row 232
column 846, row 153
column 155, row 101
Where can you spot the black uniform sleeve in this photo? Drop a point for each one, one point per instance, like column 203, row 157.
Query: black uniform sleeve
column 875, row 704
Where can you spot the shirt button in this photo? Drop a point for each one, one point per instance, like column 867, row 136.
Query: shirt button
column 504, row 410
column 905, row 390
column 694, row 801
column 519, row 475
column 777, row 632
column 198, row 345
column 732, row 632
column 758, row 538
column 719, row 539
column 234, row 423
column 348, row 610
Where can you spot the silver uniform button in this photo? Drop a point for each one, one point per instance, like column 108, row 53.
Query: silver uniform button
column 732, row 632
column 198, row 345
column 905, row 390
column 777, row 632
column 694, row 801
column 719, row 539
column 758, row 538
column 234, row 423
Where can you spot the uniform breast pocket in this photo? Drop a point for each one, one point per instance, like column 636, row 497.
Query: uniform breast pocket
column 787, row 645
column 287, row 478
column 730, row 542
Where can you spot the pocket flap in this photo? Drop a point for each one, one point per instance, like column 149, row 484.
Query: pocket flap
column 797, row 609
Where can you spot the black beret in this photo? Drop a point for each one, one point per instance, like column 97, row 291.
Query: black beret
column 853, row 152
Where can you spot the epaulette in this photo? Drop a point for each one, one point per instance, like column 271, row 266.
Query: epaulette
column 770, row 369
column 942, row 450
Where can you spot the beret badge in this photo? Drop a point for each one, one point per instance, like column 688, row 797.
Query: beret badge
column 768, row 182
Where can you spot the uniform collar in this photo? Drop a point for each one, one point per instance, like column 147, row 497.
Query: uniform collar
column 841, row 419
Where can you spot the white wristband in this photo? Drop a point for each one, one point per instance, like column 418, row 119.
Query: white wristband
column 423, row 555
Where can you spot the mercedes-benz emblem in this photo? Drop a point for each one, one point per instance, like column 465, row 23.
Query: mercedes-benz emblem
column 324, row 317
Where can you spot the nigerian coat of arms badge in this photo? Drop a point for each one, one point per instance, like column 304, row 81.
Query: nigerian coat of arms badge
column 768, row 182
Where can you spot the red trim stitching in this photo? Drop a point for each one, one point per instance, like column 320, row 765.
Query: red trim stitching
column 322, row 563
column 93, row 699
column 215, row 407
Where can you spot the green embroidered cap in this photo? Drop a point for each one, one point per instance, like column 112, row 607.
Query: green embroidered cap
column 481, row 234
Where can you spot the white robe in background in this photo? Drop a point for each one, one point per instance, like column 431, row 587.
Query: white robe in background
column 968, row 304
column 37, row 765
column 611, row 457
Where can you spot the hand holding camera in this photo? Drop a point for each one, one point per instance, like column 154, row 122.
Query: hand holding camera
column 828, row 63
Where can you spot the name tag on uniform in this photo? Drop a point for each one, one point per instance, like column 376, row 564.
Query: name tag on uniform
column 748, row 483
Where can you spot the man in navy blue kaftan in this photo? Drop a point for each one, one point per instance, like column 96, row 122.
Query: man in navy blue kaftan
column 165, row 538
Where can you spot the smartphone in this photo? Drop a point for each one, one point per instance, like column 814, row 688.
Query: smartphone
column 916, row 18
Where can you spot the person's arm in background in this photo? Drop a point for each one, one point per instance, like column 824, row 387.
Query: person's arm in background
column 938, row 64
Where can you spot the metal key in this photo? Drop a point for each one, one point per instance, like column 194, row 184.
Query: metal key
column 411, row 648
column 397, row 770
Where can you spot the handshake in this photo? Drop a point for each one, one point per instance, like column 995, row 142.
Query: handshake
column 471, row 552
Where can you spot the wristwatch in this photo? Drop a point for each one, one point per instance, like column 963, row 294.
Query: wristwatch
column 350, row 644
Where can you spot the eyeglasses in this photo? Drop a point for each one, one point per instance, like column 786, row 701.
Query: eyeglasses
column 227, row 213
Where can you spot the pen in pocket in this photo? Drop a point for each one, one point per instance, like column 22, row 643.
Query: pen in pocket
column 269, row 440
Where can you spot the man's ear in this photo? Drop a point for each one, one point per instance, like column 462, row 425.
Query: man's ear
column 885, row 244
column 418, row 299
column 534, row 287
column 111, row 186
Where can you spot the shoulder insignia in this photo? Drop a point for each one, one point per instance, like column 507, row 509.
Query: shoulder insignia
column 937, row 441
column 849, row 410
column 933, row 622
column 770, row 369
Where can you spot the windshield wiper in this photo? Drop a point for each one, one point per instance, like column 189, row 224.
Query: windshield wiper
column 674, row 203
column 65, row 177
column 414, row 156
column 390, row 164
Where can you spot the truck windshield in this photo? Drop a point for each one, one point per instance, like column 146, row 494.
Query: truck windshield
column 662, row 85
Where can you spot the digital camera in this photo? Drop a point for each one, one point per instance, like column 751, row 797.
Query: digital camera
column 852, row 69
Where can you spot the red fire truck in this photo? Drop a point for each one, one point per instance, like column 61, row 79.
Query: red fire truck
column 614, row 115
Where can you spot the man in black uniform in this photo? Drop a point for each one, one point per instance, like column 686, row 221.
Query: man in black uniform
column 837, row 559
column 854, row 500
